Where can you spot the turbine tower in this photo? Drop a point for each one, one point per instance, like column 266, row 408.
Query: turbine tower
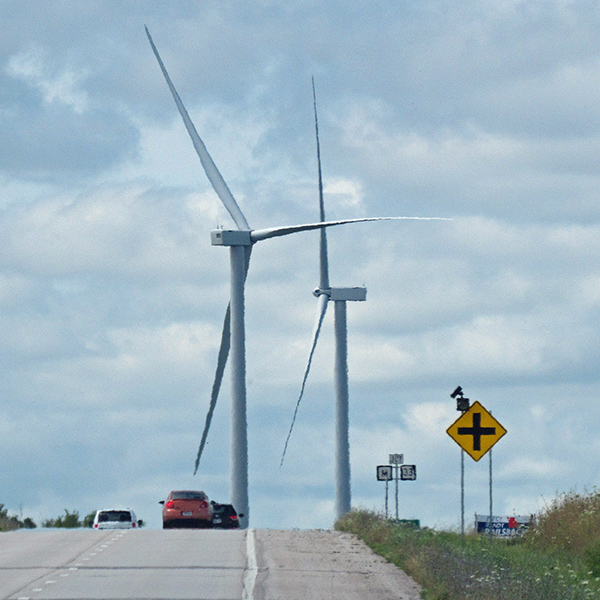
column 240, row 242
column 339, row 296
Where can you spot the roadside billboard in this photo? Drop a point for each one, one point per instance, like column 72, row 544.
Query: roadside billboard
column 503, row 526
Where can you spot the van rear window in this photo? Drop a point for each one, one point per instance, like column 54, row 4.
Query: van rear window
column 114, row 515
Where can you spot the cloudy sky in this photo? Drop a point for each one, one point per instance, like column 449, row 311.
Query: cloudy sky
column 112, row 298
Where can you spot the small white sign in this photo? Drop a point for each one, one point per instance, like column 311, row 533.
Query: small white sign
column 384, row 473
column 396, row 459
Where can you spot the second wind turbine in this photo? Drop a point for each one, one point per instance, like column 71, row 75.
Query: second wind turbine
column 339, row 296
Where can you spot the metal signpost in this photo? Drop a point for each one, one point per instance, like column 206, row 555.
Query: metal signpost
column 396, row 460
column 475, row 431
column 462, row 405
column 384, row 473
column 398, row 472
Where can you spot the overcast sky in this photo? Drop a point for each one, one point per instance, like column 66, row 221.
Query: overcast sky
column 112, row 297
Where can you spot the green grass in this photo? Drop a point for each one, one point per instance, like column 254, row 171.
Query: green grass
column 558, row 559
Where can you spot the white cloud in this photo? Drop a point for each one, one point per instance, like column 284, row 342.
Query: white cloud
column 344, row 194
column 63, row 86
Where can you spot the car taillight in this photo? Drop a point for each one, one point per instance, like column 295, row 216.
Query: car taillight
column 133, row 524
column 203, row 504
column 95, row 525
column 170, row 504
column 233, row 517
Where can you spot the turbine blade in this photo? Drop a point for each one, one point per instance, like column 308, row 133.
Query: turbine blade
column 323, row 262
column 213, row 174
column 221, row 363
column 264, row 234
column 323, row 300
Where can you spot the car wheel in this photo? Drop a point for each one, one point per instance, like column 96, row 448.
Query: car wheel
column 166, row 525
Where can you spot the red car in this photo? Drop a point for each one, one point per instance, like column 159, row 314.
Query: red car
column 186, row 508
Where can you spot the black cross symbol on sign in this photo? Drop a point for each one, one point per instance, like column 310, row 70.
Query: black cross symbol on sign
column 476, row 431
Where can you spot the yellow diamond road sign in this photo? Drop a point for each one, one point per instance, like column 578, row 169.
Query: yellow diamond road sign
column 476, row 431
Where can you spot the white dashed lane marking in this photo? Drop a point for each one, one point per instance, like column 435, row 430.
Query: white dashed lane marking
column 75, row 567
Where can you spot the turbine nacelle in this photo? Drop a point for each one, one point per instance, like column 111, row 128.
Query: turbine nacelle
column 230, row 237
column 348, row 294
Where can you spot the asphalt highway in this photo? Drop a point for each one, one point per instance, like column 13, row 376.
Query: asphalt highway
column 194, row 564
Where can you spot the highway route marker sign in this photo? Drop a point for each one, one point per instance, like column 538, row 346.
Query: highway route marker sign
column 384, row 473
column 396, row 459
column 408, row 472
column 476, row 431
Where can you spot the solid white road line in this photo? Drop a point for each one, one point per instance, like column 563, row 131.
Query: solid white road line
column 252, row 567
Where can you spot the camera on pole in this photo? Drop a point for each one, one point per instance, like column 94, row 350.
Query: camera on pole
column 462, row 403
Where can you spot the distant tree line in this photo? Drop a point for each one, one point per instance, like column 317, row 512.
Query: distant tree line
column 11, row 522
column 69, row 520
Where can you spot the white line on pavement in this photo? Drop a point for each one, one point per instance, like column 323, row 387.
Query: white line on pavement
column 252, row 567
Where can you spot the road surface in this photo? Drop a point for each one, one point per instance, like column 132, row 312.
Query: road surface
column 195, row 564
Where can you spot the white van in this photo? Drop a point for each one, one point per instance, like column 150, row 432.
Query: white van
column 116, row 518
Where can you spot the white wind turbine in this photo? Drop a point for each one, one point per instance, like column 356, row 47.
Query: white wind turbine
column 240, row 242
column 339, row 296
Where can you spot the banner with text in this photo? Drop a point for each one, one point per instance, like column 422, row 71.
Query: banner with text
column 502, row 526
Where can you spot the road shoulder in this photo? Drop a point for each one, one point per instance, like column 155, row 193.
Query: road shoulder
column 325, row 564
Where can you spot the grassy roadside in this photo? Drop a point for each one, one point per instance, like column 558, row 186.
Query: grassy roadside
column 559, row 559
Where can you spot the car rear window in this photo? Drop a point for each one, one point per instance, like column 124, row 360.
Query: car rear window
column 114, row 515
column 225, row 510
column 188, row 496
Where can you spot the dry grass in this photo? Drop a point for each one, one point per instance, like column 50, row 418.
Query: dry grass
column 570, row 523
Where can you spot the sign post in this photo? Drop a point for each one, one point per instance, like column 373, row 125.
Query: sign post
column 491, row 496
column 384, row 473
column 462, row 492
column 396, row 460
column 397, row 471
column 476, row 431
column 462, row 405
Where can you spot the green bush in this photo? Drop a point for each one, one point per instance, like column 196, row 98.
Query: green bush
column 89, row 519
column 69, row 520
column 28, row 523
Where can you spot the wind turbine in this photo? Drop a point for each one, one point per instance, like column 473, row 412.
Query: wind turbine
column 339, row 296
column 240, row 242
